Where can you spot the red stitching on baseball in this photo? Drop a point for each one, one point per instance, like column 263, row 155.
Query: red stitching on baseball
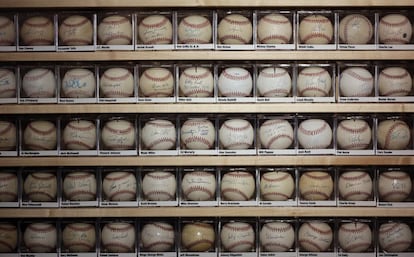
column 158, row 243
column 234, row 190
column 403, row 176
column 116, row 244
column 358, row 76
column 157, row 79
column 313, row 244
column 83, row 227
column 312, row 132
column 39, row 24
column 351, row 178
column 196, row 92
column 226, row 125
column 79, row 76
column 391, row 130
column 32, row 246
column 82, row 22
column 10, row 194
column 49, row 228
column 120, row 20
column 199, row 139
column 316, row 35
column 156, row 176
column 120, row 228
column 79, row 192
column 241, row 242
column 266, row 178
column 8, row 227
column 399, row 76
column 201, row 241
column 80, row 176
column 397, row 91
column 9, row 246
column 273, row 21
column 196, row 26
column 166, row 227
column 235, row 77
column 356, row 229
column 119, row 131
column 391, row 24
column 51, row 176
column 7, row 129
column 277, row 228
column 354, row 130
column 246, row 227
column 161, row 140
column 117, row 78
column 163, row 21
column 7, row 23
column 273, row 75
column 76, row 41
column 36, row 77
column 388, row 194
column 5, row 73
column 198, row 189
column 320, row 231
column 271, row 37
column 197, row 76
column 115, row 93
column 313, row 89
column 158, row 40
column 307, row 174
column 236, row 37
column 312, row 192
column 356, row 17
column 356, row 245
column 7, row 90
column 234, row 22
column 276, row 244
column 402, row 242
column 194, row 41
column 113, row 196
column 275, row 138
column 77, row 142
column 76, row 125
column 128, row 38
column 51, row 197
column 114, row 178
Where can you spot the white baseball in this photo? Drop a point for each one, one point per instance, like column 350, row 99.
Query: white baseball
column 155, row 30
column 79, row 237
column 199, row 186
column 7, row 83
column 78, row 83
column 198, row 237
column 120, row 186
column 235, row 82
column 196, row 82
column 118, row 134
column 157, row 236
column 393, row 135
column 276, row 134
column 355, row 29
column 198, row 134
column 394, row 186
column 274, row 28
column 315, row 29
column 8, row 237
column 356, row 82
column 355, row 186
column 235, row 29
column 316, row 185
column 79, row 186
column 156, row 82
column 39, row 83
column 79, row 135
column 159, row 186
column 314, row 134
column 237, row 237
column 395, row 81
column 314, row 82
column 395, row 237
column 274, row 82
column 7, row 31
column 8, row 136
column 158, row 135
column 354, row 237
column 115, row 30
column 118, row 237
column 395, row 29
column 237, row 186
column 236, row 134
column 40, row 135
column 315, row 236
column 116, row 82
column 277, row 236
column 40, row 187
column 40, row 237
column 194, row 29
column 76, row 30
column 276, row 186
column 353, row 134
column 37, row 31
column 9, row 187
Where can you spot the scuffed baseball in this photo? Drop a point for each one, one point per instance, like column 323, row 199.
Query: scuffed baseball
column 198, row 134
column 353, row 134
column 315, row 236
column 119, row 186
column 277, row 236
column 276, row 186
column 198, row 237
column 155, row 30
column 78, row 83
column 199, row 186
column 354, row 237
column 157, row 236
column 394, row 29
column 194, row 29
column 236, row 134
column 7, row 31
column 8, row 237
column 237, row 237
column 196, row 82
column 40, row 187
column 237, row 186
column 118, row 237
column 156, row 82
column 235, row 82
column 40, row 237
column 394, row 186
column 116, row 83
column 79, row 237
column 39, row 83
column 8, row 136
column 8, row 84
column 274, row 82
column 316, row 185
column 395, row 81
column 79, row 135
column 158, row 135
column 118, row 134
column 40, row 135
column 394, row 237
column 314, row 134
column 235, row 29
column 355, row 186
column 274, row 28
column 356, row 82
column 9, row 186
column 115, row 30
column 315, row 29
column 276, row 134
column 355, row 29
column 79, row 186
column 37, row 31
column 76, row 30
column 314, row 82
column 159, row 186
column 393, row 135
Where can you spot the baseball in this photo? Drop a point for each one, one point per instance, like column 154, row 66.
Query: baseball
column 277, row 236
column 395, row 81
column 37, row 31
column 198, row 237
column 236, row 134
column 355, row 186
column 395, row 237
column 353, row 134
column 356, row 82
column 237, row 237
column 194, row 29
column 276, row 134
column 395, row 29
column 7, row 83
column 79, row 237
column 78, row 83
column 155, row 30
column 76, row 30
column 9, row 187
column 314, row 82
column 8, row 238
column 79, row 186
column 196, row 82
column 354, row 237
column 117, row 83
column 393, row 135
column 40, row 237
column 40, row 187
column 79, row 135
column 158, row 135
column 394, row 186
column 115, row 30
column 198, row 134
column 7, row 31
column 199, row 186
column 316, row 185
column 39, row 83
column 237, row 186
column 235, row 29
column 118, row 134
column 157, row 237
column 276, row 186
column 235, row 82
column 315, row 29
column 274, row 28
column 157, row 82
column 118, row 237
column 120, row 186
column 314, row 134
column 40, row 135
column 8, row 136
column 355, row 29
column 274, row 82
column 315, row 236
column 159, row 186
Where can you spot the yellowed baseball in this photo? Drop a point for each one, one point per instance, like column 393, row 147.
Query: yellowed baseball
column 314, row 134
column 159, row 135
column 356, row 82
column 156, row 82
column 8, row 136
column 115, row 30
column 40, row 135
column 157, row 236
column 7, row 31
column 39, row 83
column 237, row 237
column 274, row 82
column 155, row 30
column 393, row 135
column 237, row 186
column 235, row 29
column 355, row 186
column 7, row 83
column 79, row 237
column 235, row 82
column 236, row 134
column 274, row 28
column 276, row 134
column 8, row 237
column 394, row 29
column 116, row 83
column 276, row 186
column 353, row 134
column 395, row 81
column 316, row 185
column 199, row 186
column 194, row 29
column 40, row 187
column 79, row 135
column 355, row 29
column 354, row 237
column 159, row 186
column 37, row 31
column 198, row 134
column 78, row 83
column 9, row 187
column 40, row 237
column 80, row 186
column 120, row 186
column 118, row 134
column 118, row 237
column 76, row 30
column 314, row 82
column 198, row 237
column 394, row 237
column 196, row 82
column 315, row 236
column 277, row 236
column 394, row 186
column 315, row 29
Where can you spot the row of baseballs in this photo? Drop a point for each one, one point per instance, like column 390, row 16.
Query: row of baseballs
column 225, row 235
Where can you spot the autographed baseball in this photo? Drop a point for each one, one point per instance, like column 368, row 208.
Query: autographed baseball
column 157, row 236
column 120, row 186
column 76, row 30
column 354, row 237
column 274, row 82
column 40, row 238
column 196, row 82
column 353, row 134
column 277, row 236
column 395, row 237
column 39, row 83
column 7, row 83
column 395, row 29
column 78, row 83
column 316, row 185
column 158, row 135
column 315, row 29
column 199, row 186
column 393, row 135
column 276, row 186
column 274, row 28
column 155, row 30
column 356, row 82
column 37, row 31
column 237, row 186
column 118, row 237
column 395, row 81
column 394, row 186
column 156, row 82
column 355, row 186
column 237, row 237
column 159, row 186
column 315, row 236
column 198, row 237
column 115, row 30
column 276, row 134
column 194, row 29
column 40, row 187
column 355, row 29
column 8, row 238
column 236, row 134
column 79, row 135
column 314, row 82
column 79, row 186
column 79, row 237
column 118, row 134
column 7, row 31
column 198, row 134
column 235, row 82
column 40, row 135
column 116, row 83
column 8, row 136
column 314, row 134
column 9, row 187
column 235, row 29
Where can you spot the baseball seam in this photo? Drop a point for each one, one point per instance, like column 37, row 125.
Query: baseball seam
column 34, row 77
column 236, row 37
column 196, row 76
column 7, row 23
column 84, row 227
column 285, row 176
column 277, row 137
column 307, row 174
column 204, row 24
column 157, row 79
column 117, row 78
column 313, row 132
column 234, row 190
column 388, row 137
column 77, row 142
column 41, row 132
column 79, row 192
column 198, row 188
column 199, row 139
column 163, row 21
column 354, row 130
column 75, row 125
column 233, row 22
column 120, row 192
column 118, row 21
column 354, row 178
column 119, row 131
column 121, row 177
column 278, row 227
column 358, row 76
column 7, row 129
column 353, row 18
